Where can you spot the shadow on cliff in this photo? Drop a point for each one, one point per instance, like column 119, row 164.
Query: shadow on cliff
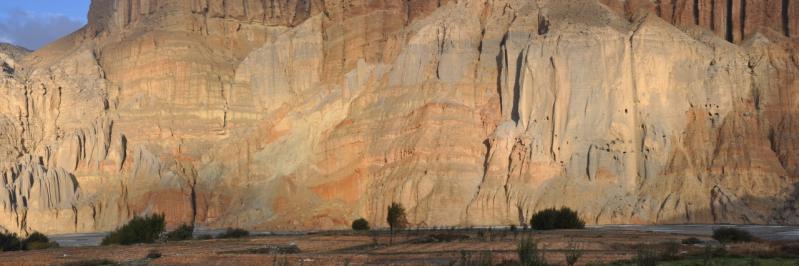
column 745, row 210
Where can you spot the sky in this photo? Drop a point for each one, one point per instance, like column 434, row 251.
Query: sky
column 35, row 23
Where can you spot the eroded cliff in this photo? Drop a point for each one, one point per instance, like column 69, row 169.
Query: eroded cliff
column 298, row 114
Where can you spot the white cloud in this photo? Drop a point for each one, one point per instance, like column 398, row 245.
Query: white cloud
column 34, row 30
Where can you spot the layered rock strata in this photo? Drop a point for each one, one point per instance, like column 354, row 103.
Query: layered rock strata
column 300, row 114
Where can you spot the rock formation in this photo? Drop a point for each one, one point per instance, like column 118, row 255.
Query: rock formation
column 300, row 114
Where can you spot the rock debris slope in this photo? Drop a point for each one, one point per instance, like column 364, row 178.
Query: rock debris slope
column 300, row 114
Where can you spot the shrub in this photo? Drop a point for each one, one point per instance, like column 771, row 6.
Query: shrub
column 37, row 237
column 10, row 242
column 360, row 225
column 233, row 233
column 36, row 241
column 184, row 232
column 691, row 241
column 204, row 237
column 731, row 235
column 138, row 230
column 550, row 219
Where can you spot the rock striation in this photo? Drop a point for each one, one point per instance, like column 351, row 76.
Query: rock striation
column 300, row 114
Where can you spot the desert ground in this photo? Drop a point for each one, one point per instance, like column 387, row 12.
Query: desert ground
column 596, row 245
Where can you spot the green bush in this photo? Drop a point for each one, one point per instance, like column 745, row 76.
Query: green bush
column 184, row 232
column 139, row 230
column 360, row 225
column 234, row 233
column 731, row 235
column 10, row 242
column 549, row 219
column 40, row 245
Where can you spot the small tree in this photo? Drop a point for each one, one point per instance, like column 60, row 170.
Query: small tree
column 360, row 225
column 396, row 218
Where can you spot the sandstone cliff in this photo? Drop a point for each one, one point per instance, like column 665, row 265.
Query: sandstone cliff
column 298, row 114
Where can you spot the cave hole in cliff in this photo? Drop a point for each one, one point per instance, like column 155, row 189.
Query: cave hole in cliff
column 785, row 18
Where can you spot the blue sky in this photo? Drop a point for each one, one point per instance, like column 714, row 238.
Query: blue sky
column 34, row 23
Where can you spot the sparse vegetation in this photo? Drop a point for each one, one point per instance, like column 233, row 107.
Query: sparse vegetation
column 183, row 232
column 646, row 256
column 138, row 230
column 233, row 233
column 360, row 225
column 484, row 258
column 528, row 253
column 671, row 251
column 204, row 237
column 36, row 240
column 731, row 235
column 572, row 254
column 549, row 219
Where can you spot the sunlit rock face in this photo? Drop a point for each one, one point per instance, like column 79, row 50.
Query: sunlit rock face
column 301, row 114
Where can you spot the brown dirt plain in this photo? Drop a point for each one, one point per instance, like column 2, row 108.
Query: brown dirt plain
column 409, row 248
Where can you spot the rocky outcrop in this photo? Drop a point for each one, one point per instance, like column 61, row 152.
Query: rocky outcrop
column 295, row 114
column 732, row 20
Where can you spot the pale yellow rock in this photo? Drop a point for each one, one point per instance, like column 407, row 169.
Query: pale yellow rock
column 307, row 114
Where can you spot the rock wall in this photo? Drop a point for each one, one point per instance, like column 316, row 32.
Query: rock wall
column 732, row 20
column 300, row 114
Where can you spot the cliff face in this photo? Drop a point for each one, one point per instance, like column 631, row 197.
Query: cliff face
column 297, row 114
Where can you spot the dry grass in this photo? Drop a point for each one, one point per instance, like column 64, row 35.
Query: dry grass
column 359, row 249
